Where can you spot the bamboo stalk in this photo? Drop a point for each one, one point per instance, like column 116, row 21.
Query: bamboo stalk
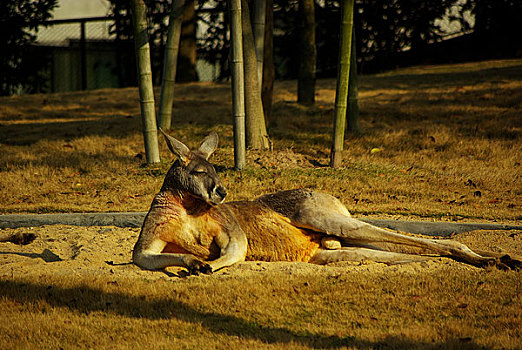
column 170, row 61
column 238, row 87
column 148, row 113
column 343, row 76
column 353, row 93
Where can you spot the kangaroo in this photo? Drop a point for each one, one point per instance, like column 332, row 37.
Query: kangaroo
column 189, row 225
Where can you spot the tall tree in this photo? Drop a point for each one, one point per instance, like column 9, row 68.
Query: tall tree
column 259, row 36
column 148, row 114
column 267, row 86
column 256, row 135
column 187, row 49
column 238, row 92
column 343, row 77
column 307, row 53
column 19, row 19
column 170, row 64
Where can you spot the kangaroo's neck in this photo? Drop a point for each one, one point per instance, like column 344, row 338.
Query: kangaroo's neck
column 181, row 200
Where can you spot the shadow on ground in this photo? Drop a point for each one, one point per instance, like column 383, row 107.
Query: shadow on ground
column 86, row 300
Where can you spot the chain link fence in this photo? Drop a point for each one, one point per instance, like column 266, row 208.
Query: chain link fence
column 83, row 54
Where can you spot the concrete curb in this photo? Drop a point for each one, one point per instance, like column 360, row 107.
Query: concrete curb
column 76, row 219
column 443, row 229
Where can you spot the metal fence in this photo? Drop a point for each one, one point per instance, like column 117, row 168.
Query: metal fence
column 82, row 54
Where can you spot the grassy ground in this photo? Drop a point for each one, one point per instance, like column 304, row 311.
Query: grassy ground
column 449, row 141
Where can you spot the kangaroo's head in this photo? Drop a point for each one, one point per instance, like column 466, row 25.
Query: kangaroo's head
column 192, row 174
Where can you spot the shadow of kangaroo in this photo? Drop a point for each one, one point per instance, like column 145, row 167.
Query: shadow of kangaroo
column 188, row 225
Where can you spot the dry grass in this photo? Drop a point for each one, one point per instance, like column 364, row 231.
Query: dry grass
column 391, row 310
column 449, row 138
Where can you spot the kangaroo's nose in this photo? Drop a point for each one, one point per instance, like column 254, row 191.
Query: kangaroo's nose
column 221, row 191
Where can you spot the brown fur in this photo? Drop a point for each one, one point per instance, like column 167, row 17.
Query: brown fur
column 271, row 236
column 167, row 217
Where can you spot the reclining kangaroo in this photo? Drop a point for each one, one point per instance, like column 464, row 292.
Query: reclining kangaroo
column 187, row 225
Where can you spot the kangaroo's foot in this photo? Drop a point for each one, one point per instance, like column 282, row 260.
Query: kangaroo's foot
column 196, row 267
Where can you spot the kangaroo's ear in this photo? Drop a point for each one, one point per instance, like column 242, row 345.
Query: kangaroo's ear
column 209, row 145
column 177, row 147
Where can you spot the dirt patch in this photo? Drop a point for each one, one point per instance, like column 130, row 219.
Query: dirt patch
column 95, row 250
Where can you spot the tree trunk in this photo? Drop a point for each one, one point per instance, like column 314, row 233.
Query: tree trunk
column 267, row 89
column 238, row 92
column 256, row 135
column 343, row 77
column 353, row 94
column 170, row 64
column 187, row 48
column 259, row 36
column 148, row 113
column 308, row 54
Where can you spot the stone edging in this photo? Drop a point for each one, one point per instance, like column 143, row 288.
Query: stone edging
column 443, row 229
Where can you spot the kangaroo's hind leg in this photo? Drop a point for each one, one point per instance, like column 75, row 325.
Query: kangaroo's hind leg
column 324, row 213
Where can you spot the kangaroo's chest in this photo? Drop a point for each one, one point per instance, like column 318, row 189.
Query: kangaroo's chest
column 191, row 234
column 184, row 230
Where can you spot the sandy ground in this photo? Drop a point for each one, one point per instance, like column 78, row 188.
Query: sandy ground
column 61, row 250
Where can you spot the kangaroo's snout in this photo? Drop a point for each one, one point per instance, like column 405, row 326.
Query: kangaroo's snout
column 221, row 192
column 217, row 196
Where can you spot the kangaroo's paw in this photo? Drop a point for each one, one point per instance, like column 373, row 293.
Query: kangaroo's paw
column 507, row 262
column 196, row 267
